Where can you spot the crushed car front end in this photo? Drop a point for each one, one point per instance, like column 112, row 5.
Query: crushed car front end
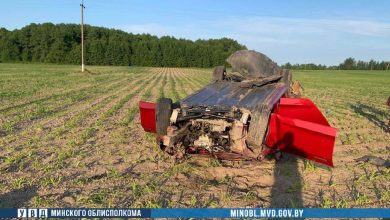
column 246, row 114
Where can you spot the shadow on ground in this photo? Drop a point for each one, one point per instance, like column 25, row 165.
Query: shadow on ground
column 18, row 198
column 371, row 113
column 287, row 188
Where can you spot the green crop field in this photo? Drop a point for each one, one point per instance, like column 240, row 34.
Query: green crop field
column 72, row 139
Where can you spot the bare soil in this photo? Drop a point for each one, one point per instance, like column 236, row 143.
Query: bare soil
column 90, row 150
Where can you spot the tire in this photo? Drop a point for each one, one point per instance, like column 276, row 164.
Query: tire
column 163, row 114
column 286, row 79
column 218, row 74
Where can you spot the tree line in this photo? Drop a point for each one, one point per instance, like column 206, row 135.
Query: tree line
column 61, row 43
column 348, row 64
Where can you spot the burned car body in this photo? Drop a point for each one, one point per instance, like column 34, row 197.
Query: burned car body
column 247, row 113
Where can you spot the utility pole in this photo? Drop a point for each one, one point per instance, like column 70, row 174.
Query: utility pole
column 82, row 35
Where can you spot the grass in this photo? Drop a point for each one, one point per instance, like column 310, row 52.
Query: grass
column 51, row 181
column 21, row 182
column 78, row 135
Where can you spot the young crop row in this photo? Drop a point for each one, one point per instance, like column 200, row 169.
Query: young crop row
column 92, row 152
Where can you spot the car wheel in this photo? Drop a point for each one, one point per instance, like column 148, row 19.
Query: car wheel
column 163, row 114
column 286, row 78
column 219, row 73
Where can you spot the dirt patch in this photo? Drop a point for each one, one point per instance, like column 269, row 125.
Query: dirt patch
column 51, row 162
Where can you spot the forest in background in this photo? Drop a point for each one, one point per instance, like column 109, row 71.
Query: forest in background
column 61, row 43
column 348, row 64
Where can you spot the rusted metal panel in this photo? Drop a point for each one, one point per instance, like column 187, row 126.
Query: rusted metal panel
column 228, row 93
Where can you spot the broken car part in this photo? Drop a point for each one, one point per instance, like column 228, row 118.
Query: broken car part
column 244, row 114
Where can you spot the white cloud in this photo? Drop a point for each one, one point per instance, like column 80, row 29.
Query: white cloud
column 282, row 25
column 319, row 40
column 267, row 29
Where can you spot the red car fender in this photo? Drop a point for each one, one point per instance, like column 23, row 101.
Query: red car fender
column 297, row 126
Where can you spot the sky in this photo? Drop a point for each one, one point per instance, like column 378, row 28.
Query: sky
column 295, row 31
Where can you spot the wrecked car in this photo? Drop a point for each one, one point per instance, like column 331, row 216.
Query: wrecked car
column 243, row 114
